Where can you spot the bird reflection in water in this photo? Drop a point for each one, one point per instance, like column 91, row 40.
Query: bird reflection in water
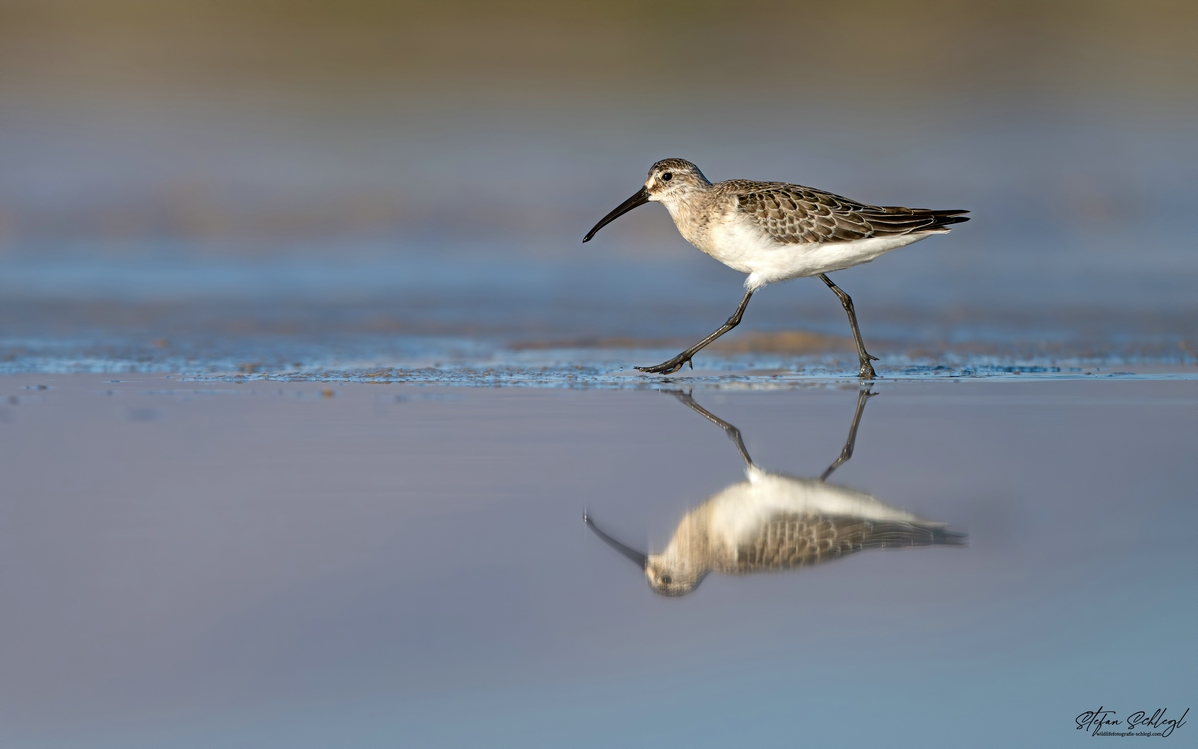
column 772, row 522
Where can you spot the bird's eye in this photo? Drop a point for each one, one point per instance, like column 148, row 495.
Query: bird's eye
column 667, row 176
column 666, row 579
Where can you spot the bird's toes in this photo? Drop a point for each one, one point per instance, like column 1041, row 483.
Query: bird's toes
column 665, row 367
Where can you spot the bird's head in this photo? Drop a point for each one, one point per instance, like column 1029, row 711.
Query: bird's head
column 672, row 577
column 669, row 574
column 669, row 180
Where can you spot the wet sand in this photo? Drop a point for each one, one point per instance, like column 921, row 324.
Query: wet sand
column 258, row 562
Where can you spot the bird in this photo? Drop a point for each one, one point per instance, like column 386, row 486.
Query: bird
column 773, row 522
column 775, row 231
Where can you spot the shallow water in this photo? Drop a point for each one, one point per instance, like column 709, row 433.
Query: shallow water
column 304, row 564
column 1078, row 244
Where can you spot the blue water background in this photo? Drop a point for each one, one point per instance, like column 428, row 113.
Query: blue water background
column 1080, row 243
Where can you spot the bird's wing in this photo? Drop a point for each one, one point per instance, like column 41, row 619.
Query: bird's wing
column 793, row 214
column 790, row 540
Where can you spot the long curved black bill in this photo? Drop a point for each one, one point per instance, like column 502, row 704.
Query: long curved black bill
column 641, row 560
column 641, row 197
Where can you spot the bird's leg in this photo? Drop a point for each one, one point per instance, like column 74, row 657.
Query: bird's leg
column 867, row 370
column 847, row 452
column 731, row 431
column 675, row 364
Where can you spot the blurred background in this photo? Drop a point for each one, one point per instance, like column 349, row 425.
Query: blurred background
column 191, row 180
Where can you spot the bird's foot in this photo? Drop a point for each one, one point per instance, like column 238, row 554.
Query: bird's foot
column 867, row 370
column 669, row 367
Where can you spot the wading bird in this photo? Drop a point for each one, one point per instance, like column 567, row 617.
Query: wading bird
column 772, row 522
column 775, row 231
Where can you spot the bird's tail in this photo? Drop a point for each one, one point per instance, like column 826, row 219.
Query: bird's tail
column 897, row 535
column 893, row 221
column 941, row 219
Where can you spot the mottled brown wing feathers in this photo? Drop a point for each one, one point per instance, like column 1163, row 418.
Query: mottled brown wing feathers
column 793, row 214
column 792, row 540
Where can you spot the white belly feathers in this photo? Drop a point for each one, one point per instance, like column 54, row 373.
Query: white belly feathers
column 741, row 246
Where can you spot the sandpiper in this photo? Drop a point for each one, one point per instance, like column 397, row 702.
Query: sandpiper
column 776, row 231
column 773, row 522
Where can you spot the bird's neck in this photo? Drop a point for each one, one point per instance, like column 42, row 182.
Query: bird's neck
column 690, row 214
column 690, row 541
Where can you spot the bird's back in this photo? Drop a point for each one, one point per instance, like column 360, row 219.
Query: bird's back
column 794, row 214
column 792, row 540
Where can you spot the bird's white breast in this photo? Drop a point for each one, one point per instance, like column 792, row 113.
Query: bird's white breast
column 738, row 513
column 771, row 262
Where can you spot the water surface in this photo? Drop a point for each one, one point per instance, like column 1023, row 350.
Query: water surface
column 302, row 564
